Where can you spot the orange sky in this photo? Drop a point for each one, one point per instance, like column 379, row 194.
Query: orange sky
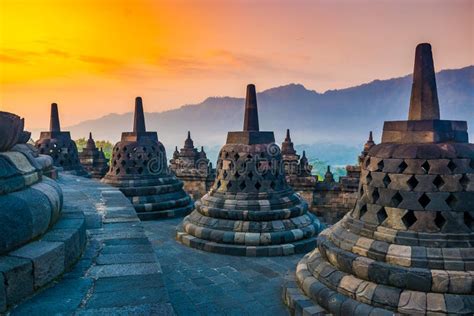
column 94, row 56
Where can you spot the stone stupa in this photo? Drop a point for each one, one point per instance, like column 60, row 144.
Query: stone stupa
column 250, row 210
column 59, row 145
column 93, row 159
column 407, row 247
column 139, row 169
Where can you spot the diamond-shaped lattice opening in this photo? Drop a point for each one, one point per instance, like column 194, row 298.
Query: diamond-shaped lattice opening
column 250, row 175
column 369, row 178
column 464, row 181
column 218, row 184
column 125, row 148
column 258, row 186
column 236, row 156
column 412, row 182
column 382, row 215
column 242, row 185
column 273, row 185
column 363, row 210
column 438, row 181
column 224, row 174
column 451, row 165
column 140, row 170
column 451, row 200
column 361, row 191
column 402, row 166
column 367, row 162
column 229, row 185
column 119, row 156
column 123, row 163
column 249, row 156
column 424, row 200
column 380, row 165
column 375, row 195
column 409, row 218
column 426, row 166
column 387, row 180
column 237, row 175
column 396, row 199
column 468, row 220
column 439, row 220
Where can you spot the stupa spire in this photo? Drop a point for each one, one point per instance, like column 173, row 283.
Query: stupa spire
column 424, row 103
column 54, row 125
column 251, row 110
column 139, row 118
column 288, row 138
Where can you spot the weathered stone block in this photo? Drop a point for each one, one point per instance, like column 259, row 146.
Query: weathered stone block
column 18, row 275
column 47, row 258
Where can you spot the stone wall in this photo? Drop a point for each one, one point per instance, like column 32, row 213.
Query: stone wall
column 196, row 187
column 331, row 205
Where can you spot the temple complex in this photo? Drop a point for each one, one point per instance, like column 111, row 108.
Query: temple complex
column 193, row 168
column 407, row 245
column 250, row 210
column 59, row 145
column 93, row 159
column 34, row 250
column 139, row 169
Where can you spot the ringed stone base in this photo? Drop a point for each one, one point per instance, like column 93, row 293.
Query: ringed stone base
column 287, row 249
column 37, row 263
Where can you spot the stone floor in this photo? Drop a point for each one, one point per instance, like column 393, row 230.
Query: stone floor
column 122, row 273
column 201, row 283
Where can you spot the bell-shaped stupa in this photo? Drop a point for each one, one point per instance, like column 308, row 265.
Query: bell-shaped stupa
column 59, row 145
column 250, row 210
column 139, row 169
column 93, row 159
column 407, row 247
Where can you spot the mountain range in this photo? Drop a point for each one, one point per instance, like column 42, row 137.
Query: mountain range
column 332, row 125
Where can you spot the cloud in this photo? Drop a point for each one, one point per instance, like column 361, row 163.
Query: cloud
column 57, row 52
column 8, row 59
column 99, row 60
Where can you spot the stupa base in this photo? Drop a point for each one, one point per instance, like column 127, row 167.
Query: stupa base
column 288, row 249
column 164, row 214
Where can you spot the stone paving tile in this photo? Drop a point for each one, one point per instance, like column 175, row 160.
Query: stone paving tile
column 201, row 283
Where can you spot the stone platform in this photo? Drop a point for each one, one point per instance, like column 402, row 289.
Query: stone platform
column 118, row 273
column 203, row 283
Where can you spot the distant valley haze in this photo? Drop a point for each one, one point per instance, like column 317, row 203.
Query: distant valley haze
column 331, row 126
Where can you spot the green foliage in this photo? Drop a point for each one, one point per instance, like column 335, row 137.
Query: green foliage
column 104, row 144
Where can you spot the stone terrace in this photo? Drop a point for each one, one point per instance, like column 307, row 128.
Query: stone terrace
column 120, row 271
column 203, row 283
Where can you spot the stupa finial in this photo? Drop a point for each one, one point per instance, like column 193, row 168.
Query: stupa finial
column 371, row 138
column 251, row 110
column 424, row 103
column 288, row 138
column 189, row 134
column 139, row 118
column 90, row 135
column 54, row 125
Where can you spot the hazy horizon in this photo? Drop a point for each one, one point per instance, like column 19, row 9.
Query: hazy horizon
column 94, row 57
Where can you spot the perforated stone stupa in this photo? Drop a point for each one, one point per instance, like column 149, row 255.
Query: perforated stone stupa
column 250, row 210
column 59, row 145
column 407, row 246
column 139, row 169
column 93, row 159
